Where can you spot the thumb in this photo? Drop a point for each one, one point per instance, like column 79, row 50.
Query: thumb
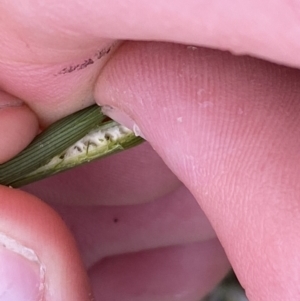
column 38, row 257
column 226, row 126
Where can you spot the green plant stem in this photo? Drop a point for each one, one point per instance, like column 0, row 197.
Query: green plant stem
column 72, row 141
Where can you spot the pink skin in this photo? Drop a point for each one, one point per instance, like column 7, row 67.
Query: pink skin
column 226, row 127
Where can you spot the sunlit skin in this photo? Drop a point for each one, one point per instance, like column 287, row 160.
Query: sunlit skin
column 220, row 171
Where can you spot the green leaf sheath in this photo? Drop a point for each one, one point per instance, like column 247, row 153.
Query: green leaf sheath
column 63, row 162
column 50, row 143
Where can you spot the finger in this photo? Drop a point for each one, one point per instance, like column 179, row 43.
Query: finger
column 18, row 126
column 132, row 177
column 174, row 219
column 263, row 28
column 228, row 127
column 38, row 257
column 176, row 273
column 54, row 89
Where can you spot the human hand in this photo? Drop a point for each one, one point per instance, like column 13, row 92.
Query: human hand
column 226, row 126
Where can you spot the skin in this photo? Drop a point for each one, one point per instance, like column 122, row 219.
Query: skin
column 222, row 133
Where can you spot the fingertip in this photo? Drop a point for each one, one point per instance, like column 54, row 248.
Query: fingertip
column 18, row 126
column 181, row 272
column 37, row 242
column 227, row 127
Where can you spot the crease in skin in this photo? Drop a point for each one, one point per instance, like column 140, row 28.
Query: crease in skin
column 7, row 100
column 12, row 104
column 16, row 247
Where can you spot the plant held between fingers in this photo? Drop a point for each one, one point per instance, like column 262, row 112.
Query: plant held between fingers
column 72, row 141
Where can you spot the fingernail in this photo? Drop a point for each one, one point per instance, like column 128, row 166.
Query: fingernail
column 21, row 273
column 123, row 119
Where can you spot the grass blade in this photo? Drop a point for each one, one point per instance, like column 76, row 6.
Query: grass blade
column 51, row 142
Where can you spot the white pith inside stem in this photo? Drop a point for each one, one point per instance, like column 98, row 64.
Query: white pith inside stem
column 96, row 141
